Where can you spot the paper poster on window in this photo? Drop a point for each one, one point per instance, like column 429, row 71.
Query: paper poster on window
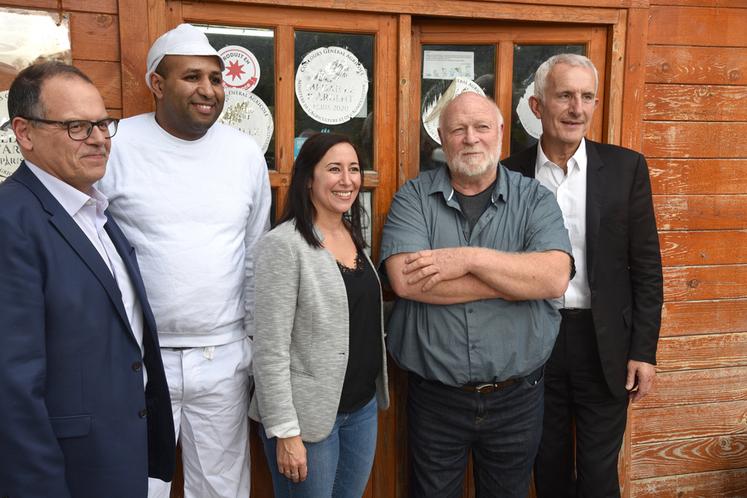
column 529, row 121
column 436, row 100
column 10, row 154
column 448, row 64
column 242, row 68
column 20, row 46
column 331, row 85
column 246, row 112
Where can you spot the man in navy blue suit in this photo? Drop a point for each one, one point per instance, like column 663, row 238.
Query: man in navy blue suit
column 84, row 405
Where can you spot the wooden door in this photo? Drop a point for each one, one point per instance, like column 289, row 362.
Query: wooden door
column 281, row 42
column 500, row 59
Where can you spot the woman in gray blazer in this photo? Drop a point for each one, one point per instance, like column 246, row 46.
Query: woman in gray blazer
column 319, row 357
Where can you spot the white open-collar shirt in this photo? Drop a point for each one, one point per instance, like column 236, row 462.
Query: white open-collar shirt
column 570, row 191
column 88, row 213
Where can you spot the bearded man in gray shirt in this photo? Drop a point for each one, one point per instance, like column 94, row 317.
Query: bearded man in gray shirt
column 475, row 254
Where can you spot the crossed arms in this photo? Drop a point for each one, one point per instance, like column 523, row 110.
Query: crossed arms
column 463, row 274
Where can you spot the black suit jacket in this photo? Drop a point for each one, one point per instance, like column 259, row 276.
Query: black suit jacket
column 623, row 259
column 73, row 422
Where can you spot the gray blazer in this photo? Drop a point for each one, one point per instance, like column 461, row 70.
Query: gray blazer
column 301, row 336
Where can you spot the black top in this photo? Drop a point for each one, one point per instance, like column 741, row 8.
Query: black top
column 364, row 351
column 474, row 205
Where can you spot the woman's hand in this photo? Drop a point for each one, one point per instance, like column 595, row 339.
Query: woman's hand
column 291, row 454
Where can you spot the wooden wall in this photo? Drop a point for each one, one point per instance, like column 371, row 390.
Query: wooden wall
column 686, row 68
column 94, row 33
column 689, row 439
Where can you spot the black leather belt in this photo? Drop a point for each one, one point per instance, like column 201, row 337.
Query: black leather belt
column 489, row 387
column 574, row 312
column 485, row 387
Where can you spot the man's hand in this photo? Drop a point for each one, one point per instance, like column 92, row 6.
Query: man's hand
column 640, row 379
column 291, row 455
column 430, row 267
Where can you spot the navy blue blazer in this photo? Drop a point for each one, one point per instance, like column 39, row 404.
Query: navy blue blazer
column 75, row 420
column 623, row 262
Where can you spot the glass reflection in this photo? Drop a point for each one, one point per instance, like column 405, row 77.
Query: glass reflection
column 471, row 65
column 334, row 88
column 249, row 81
column 20, row 46
column 525, row 127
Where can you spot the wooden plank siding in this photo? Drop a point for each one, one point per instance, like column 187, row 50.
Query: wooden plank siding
column 689, row 437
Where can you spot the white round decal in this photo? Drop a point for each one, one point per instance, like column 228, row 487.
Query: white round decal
column 246, row 112
column 529, row 121
column 242, row 68
column 10, row 154
column 331, row 85
column 434, row 102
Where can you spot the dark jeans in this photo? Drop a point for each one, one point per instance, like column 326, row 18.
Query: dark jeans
column 501, row 429
column 576, row 391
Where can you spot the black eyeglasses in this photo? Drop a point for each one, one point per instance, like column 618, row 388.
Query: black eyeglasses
column 80, row 129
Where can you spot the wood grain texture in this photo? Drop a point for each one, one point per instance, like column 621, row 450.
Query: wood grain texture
column 106, row 77
column 695, row 102
column 101, row 6
column 635, row 73
column 701, row 351
column 680, row 139
column 697, row 65
column 698, row 176
column 706, row 247
column 666, row 424
column 570, row 11
column 704, row 317
column 690, row 455
column 94, row 37
column 696, row 387
column 136, row 97
column 700, row 3
column 701, row 212
column 700, row 26
column 719, row 484
column 697, row 283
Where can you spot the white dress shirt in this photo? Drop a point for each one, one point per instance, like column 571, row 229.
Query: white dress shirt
column 88, row 213
column 570, row 191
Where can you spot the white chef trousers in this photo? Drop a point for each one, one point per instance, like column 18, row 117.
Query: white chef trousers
column 209, row 389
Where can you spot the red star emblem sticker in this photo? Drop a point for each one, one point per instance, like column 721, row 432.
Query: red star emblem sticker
column 235, row 70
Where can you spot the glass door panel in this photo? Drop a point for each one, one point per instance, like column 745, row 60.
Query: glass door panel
column 249, row 82
column 525, row 127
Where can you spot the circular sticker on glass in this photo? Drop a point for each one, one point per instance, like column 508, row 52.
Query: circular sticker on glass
column 528, row 120
column 242, row 68
column 10, row 154
column 331, row 85
column 436, row 99
column 246, row 112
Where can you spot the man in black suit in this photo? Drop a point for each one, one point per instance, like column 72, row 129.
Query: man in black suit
column 606, row 350
column 85, row 404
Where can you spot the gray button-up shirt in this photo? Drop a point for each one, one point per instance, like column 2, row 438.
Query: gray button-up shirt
column 480, row 341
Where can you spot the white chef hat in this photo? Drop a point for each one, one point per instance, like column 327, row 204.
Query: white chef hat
column 185, row 39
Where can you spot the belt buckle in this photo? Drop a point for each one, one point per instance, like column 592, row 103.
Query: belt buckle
column 488, row 385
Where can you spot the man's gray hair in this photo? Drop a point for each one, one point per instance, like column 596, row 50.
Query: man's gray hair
column 573, row 60
column 446, row 105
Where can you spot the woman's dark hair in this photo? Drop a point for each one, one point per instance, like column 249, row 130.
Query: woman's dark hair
column 298, row 206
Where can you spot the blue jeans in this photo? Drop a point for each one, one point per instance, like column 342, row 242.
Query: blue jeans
column 339, row 465
column 501, row 429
